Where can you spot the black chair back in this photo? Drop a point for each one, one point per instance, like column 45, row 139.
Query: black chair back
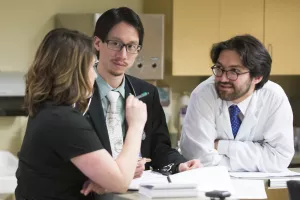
column 294, row 189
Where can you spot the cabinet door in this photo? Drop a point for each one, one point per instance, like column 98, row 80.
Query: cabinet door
column 241, row 17
column 282, row 35
column 195, row 29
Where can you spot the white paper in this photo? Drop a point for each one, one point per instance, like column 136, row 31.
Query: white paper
column 262, row 175
column 148, row 177
column 207, row 178
column 169, row 186
column 168, row 193
column 249, row 189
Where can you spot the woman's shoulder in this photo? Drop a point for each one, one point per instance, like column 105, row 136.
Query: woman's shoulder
column 58, row 115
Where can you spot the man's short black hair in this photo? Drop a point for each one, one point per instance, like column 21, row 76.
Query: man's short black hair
column 114, row 16
column 253, row 54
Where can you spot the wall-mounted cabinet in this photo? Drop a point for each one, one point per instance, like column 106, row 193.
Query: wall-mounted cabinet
column 197, row 24
column 282, row 35
column 241, row 17
column 195, row 29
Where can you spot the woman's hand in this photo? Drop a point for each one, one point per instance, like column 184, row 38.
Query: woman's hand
column 90, row 186
column 136, row 113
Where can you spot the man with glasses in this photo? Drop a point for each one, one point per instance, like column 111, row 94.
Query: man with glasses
column 118, row 38
column 238, row 118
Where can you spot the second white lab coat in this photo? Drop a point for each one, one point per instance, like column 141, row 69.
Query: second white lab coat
column 264, row 141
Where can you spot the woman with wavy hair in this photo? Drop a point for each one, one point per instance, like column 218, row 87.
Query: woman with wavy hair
column 61, row 151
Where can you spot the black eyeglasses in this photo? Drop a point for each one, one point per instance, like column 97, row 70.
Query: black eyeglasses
column 118, row 46
column 230, row 74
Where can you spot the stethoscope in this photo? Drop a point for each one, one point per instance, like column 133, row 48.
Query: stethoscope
column 126, row 79
column 130, row 85
column 131, row 88
column 87, row 107
column 90, row 98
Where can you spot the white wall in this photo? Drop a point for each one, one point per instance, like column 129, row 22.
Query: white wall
column 23, row 25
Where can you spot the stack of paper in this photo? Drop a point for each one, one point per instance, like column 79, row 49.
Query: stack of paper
column 262, row 175
column 276, row 180
column 280, row 182
column 249, row 189
column 170, row 190
column 207, row 179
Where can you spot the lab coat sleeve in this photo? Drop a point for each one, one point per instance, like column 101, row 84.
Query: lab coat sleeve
column 274, row 153
column 199, row 131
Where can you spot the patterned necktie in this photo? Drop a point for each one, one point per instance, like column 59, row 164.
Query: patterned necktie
column 114, row 124
column 234, row 119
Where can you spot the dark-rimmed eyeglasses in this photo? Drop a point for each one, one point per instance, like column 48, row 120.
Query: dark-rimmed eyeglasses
column 118, row 46
column 230, row 74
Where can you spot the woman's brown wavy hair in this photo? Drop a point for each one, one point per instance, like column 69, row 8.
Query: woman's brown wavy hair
column 59, row 72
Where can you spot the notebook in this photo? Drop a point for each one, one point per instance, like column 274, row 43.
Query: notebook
column 148, row 177
column 170, row 190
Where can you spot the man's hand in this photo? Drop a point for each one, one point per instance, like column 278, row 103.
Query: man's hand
column 90, row 186
column 191, row 164
column 140, row 168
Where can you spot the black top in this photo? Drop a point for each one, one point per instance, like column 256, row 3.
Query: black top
column 54, row 136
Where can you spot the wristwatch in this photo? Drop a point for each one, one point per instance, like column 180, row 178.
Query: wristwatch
column 171, row 168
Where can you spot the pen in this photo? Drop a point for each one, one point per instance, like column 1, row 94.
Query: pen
column 142, row 95
column 169, row 179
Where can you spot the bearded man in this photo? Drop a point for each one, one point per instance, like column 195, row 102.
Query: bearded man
column 238, row 118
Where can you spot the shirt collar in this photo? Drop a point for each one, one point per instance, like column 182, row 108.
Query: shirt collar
column 242, row 105
column 105, row 87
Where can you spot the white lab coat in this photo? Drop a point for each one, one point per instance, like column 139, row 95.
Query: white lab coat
column 264, row 141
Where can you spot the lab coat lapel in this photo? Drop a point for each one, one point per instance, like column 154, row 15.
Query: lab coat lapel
column 223, row 120
column 250, row 119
